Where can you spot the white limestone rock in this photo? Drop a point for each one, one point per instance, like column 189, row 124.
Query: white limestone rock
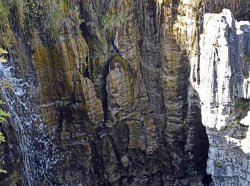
column 224, row 75
column 216, row 91
column 225, row 54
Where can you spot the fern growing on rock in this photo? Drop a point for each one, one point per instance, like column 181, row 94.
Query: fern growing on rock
column 3, row 114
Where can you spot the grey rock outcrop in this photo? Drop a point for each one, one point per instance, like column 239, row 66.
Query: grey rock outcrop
column 223, row 90
column 216, row 70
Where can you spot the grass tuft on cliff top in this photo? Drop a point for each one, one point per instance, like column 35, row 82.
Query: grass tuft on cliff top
column 31, row 14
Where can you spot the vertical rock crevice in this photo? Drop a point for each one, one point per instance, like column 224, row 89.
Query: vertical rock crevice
column 105, row 73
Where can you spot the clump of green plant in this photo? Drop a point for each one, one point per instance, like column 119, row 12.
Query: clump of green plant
column 6, row 84
column 246, row 57
column 8, row 6
column 193, row 173
column 241, row 104
column 52, row 20
column 36, row 13
column 218, row 164
column 116, row 14
column 4, row 13
column 140, row 14
column 3, row 116
column 35, row 9
column 47, row 13
column 235, row 123
column 55, row 11
column 112, row 20
column 66, row 6
column 20, row 6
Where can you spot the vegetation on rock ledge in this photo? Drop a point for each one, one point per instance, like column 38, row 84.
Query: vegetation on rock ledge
column 32, row 14
column 241, row 104
column 3, row 114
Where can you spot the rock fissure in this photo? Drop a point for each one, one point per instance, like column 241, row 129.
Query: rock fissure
column 105, row 106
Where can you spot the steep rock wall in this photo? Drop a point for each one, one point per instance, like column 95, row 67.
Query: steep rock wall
column 224, row 69
column 112, row 89
column 113, row 100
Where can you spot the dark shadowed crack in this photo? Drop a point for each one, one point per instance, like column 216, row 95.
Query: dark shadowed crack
column 104, row 93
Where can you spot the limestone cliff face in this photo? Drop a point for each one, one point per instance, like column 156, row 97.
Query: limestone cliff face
column 109, row 92
column 224, row 93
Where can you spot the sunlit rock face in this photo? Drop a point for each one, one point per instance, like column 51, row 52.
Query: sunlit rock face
column 113, row 96
column 224, row 74
column 216, row 69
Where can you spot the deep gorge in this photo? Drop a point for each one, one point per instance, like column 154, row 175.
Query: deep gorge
column 122, row 92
